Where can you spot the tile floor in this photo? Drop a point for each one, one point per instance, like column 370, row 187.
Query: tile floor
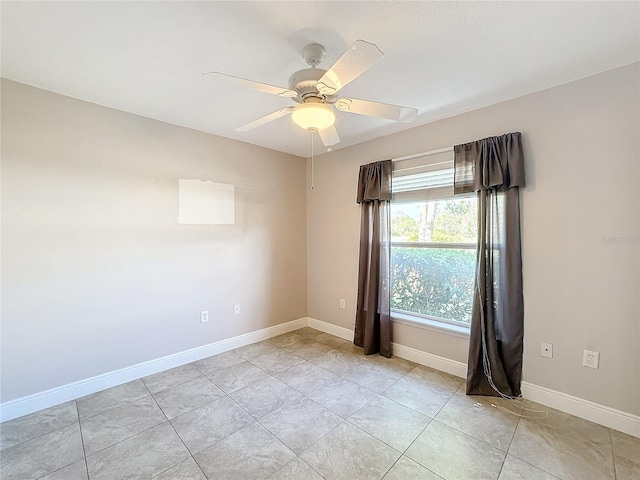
column 307, row 405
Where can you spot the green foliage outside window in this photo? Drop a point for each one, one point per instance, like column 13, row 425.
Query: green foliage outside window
column 405, row 227
column 456, row 221
column 433, row 281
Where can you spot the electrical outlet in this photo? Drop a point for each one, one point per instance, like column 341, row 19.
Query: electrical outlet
column 204, row 316
column 591, row 359
column 343, row 304
column 236, row 309
column 546, row 350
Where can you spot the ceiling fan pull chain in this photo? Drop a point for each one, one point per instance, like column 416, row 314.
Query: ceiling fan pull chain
column 312, row 169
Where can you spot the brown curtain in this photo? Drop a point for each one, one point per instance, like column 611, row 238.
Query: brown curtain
column 373, row 315
column 494, row 168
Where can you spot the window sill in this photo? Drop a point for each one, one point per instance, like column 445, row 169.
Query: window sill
column 428, row 324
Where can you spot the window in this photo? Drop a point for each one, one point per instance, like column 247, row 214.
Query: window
column 433, row 246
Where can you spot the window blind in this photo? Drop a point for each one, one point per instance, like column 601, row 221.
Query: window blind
column 423, row 178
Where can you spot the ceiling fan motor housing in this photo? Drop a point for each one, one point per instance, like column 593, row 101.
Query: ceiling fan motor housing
column 304, row 82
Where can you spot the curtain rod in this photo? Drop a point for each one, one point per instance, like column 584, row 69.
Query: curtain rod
column 423, row 154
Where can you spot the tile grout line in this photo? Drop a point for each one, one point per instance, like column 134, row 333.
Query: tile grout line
column 221, row 438
column 534, row 466
column 175, row 385
column 4, row 450
column 297, row 455
column 342, row 419
column 470, row 436
column 319, row 474
column 178, row 435
column 402, row 453
column 378, row 439
column 613, row 456
column 506, row 454
column 393, row 465
column 513, row 435
column 459, row 431
column 130, row 436
column 84, row 450
column 114, row 408
column 255, row 420
column 411, row 444
column 84, row 455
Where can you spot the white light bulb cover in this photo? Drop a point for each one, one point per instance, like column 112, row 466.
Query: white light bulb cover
column 314, row 116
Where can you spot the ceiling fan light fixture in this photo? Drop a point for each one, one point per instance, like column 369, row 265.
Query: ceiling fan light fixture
column 313, row 116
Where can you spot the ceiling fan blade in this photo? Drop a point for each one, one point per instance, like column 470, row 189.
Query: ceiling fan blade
column 266, row 119
column 329, row 136
column 232, row 81
column 376, row 109
column 360, row 57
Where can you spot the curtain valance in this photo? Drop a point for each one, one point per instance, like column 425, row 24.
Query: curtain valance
column 489, row 163
column 374, row 182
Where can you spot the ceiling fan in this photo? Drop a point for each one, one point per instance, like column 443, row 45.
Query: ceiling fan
column 316, row 91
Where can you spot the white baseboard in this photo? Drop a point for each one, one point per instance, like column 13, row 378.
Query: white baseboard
column 458, row 369
column 443, row 364
column 330, row 328
column 55, row 396
column 601, row 414
column 594, row 412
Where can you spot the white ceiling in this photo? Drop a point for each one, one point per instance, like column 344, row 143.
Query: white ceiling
column 442, row 58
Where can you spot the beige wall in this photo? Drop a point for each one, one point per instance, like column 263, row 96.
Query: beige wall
column 581, row 292
column 96, row 273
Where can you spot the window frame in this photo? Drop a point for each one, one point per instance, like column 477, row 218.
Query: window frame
column 430, row 322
